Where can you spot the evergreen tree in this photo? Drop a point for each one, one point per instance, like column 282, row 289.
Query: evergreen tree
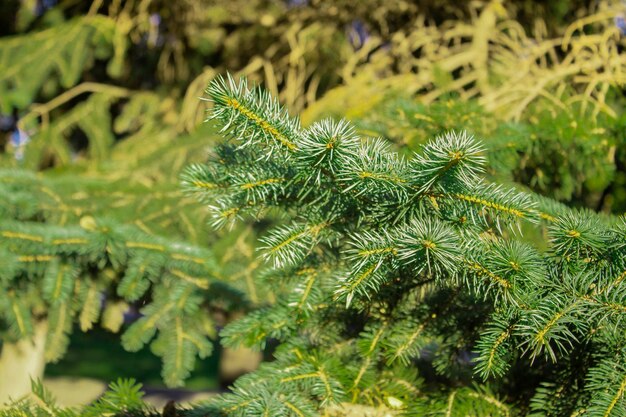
column 69, row 259
column 408, row 283
column 345, row 199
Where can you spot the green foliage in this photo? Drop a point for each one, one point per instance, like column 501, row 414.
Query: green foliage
column 99, row 63
column 62, row 262
column 410, row 264
column 55, row 57
column 397, row 275
column 123, row 398
column 536, row 151
column 513, row 87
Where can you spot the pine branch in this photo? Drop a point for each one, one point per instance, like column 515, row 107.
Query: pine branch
column 253, row 116
column 423, row 263
column 607, row 383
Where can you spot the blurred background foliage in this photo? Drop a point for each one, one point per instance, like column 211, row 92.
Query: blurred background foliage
column 101, row 98
column 111, row 88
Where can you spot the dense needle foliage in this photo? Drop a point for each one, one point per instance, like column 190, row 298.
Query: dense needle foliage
column 390, row 280
column 407, row 279
column 63, row 264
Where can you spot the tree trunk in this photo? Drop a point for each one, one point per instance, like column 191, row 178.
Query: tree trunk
column 21, row 361
column 236, row 362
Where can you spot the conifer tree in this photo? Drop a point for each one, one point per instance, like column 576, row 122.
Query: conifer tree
column 67, row 265
column 408, row 283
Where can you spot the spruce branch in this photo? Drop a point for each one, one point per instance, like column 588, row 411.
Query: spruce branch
column 607, row 383
column 252, row 116
column 422, row 261
column 453, row 161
